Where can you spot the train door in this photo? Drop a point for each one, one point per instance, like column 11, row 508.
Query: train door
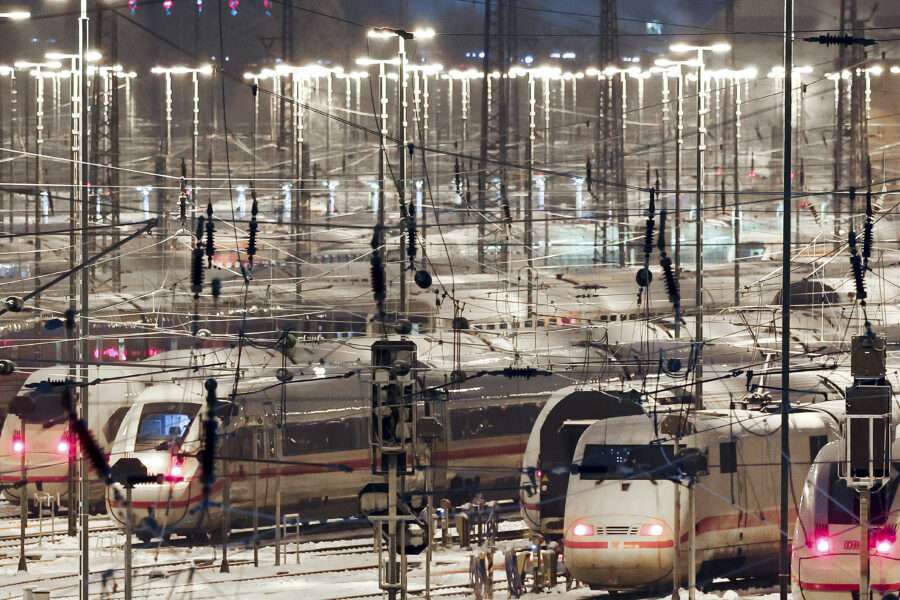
column 438, row 458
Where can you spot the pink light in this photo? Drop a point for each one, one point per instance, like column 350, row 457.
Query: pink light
column 883, row 547
column 110, row 353
column 132, row 4
column 18, row 446
column 167, row 4
column 582, row 529
column 63, row 446
column 233, row 5
column 752, row 174
column 823, row 545
column 152, row 351
column 654, row 530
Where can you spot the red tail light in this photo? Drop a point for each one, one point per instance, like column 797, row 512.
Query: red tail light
column 582, row 529
column 64, row 447
column 823, row 545
column 18, row 444
column 883, row 547
column 176, row 470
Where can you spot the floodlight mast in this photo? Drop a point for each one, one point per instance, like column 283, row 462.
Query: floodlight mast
column 84, row 589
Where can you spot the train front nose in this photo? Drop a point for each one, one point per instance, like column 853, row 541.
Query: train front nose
column 620, row 552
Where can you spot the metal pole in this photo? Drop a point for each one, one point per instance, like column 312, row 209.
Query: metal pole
column 38, row 164
column 128, row 533
column 692, row 543
column 23, row 505
column 255, row 488
column 71, row 501
column 679, row 144
column 529, row 186
column 785, row 550
column 698, row 250
column 864, row 497
column 85, row 276
column 401, row 187
column 737, row 218
column 195, row 135
column 676, row 530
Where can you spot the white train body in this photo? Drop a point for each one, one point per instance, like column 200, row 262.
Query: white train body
column 825, row 561
column 43, row 438
column 322, row 454
column 620, row 526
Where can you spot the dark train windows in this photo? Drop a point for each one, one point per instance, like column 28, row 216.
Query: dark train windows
column 816, row 442
column 628, row 461
column 843, row 503
column 728, row 457
column 493, row 421
column 324, row 436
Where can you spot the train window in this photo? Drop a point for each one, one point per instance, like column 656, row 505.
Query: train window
column 816, row 442
column 324, row 436
column 493, row 421
column 632, row 461
column 728, row 457
column 163, row 421
column 843, row 503
column 111, row 429
column 47, row 407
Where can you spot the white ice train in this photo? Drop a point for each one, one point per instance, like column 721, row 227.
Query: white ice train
column 620, row 526
column 551, row 444
column 321, row 454
column 43, row 437
column 825, row 561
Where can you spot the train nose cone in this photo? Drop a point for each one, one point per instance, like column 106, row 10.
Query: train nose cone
column 620, row 553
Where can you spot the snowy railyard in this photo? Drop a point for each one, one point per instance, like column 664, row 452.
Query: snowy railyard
column 332, row 568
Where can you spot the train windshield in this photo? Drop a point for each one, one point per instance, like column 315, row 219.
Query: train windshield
column 164, row 422
column 843, row 502
column 48, row 408
column 631, row 461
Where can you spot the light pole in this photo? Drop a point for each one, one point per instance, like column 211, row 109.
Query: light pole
column 702, row 109
column 402, row 37
column 528, row 241
column 75, row 191
column 37, row 73
column 382, row 120
column 195, row 129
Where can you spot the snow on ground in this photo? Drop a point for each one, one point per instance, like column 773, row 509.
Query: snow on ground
column 320, row 570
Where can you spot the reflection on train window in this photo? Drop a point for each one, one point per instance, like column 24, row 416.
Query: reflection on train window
column 631, row 461
column 111, row 429
column 843, row 503
column 493, row 421
column 324, row 436
column 163, row 421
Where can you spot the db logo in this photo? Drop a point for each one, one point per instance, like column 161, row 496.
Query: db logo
column 851, row 545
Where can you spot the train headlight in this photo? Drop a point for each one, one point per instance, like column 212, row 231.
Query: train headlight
column 883, row 547
column 823, row 545
column 176, row 470
column 582, row 529
column 653, row 529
